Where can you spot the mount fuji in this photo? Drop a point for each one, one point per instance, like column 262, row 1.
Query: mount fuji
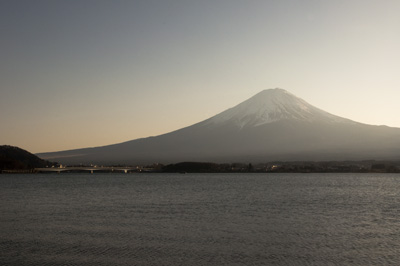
column 272, row 125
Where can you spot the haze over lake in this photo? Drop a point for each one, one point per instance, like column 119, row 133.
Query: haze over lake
column 199, row 219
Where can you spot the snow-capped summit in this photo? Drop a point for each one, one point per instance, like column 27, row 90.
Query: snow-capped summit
column 269, row 106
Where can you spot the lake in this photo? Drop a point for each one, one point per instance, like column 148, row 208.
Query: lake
column 200, row 219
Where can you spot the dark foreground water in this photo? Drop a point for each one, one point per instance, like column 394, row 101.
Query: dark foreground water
column 200, row 219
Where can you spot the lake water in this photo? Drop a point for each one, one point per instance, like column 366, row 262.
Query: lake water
column 200, row 219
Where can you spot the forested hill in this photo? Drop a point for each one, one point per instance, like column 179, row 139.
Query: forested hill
column 13, row 158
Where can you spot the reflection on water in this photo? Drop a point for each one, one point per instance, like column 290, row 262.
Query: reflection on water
column 199, row 219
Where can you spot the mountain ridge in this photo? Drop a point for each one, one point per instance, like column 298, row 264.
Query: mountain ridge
column 272, row 125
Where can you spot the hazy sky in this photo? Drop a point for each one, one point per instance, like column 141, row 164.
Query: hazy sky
column 85, row 73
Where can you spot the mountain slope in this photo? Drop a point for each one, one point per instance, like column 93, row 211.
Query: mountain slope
column 12, row 158
column 272, row 125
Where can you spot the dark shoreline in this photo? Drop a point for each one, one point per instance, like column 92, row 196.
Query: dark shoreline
column 370, row 166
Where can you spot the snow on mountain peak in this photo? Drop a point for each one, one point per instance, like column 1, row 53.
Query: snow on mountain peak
column 269, row 106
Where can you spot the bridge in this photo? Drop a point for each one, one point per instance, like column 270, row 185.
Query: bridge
column 90, row 169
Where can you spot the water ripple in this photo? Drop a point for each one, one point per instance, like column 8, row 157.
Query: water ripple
column 199, row 219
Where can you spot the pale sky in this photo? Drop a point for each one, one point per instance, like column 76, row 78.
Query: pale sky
column 80, row 73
